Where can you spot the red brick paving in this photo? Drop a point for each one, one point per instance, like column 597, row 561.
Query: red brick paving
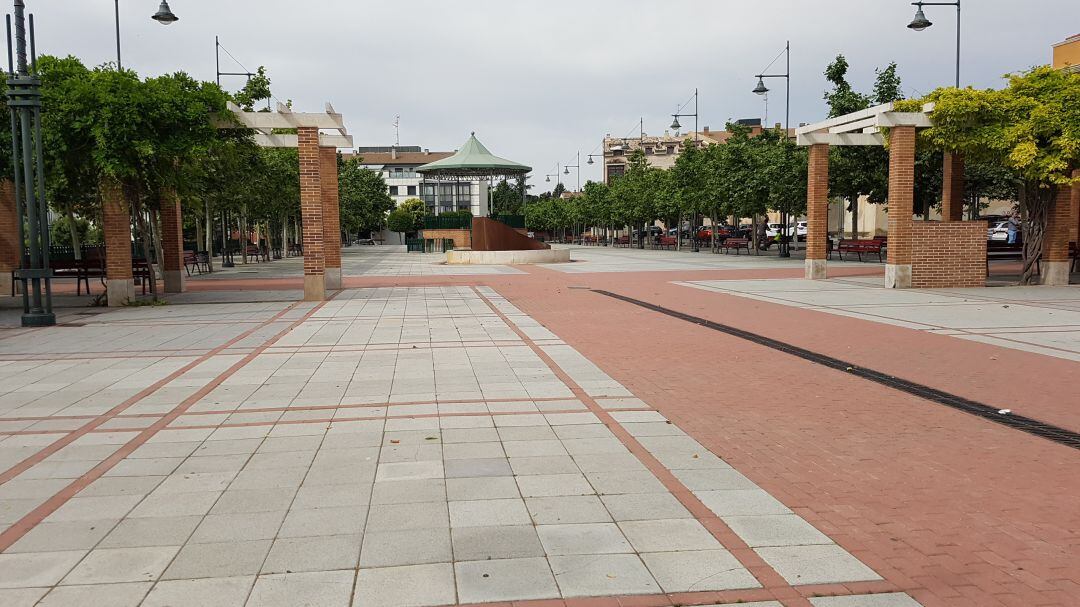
column 952, row 509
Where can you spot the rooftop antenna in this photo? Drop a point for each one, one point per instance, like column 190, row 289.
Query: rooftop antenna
column 397, row 130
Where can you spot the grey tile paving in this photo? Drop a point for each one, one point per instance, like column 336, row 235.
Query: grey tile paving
column 36, row 568
column 482, row 513
column 405, row 547
column 500, row 542
column 602, row 575
column 410, row 586
column 588, row 538
column 113, row 565
column 322, row 588
column 801, row 565
column 698, row 570
column 505, row 580
column 666, row 535
column 775, row 530
column 222, row 559
column 204, row 592
column 103, row 595
column 567, row 510
column 892, row 599
column 318, row 553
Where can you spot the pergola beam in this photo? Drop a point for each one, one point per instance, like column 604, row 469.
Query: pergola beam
column 326, row 140
column 856, row 139
column 285, row 118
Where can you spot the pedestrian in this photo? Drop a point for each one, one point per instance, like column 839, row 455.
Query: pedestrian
column 1014, row 229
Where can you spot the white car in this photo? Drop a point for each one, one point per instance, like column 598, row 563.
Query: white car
column 772, row 229
column 802, row 228
column 999, row 230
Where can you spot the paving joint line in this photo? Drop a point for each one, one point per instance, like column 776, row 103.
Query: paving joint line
column 1032, row 426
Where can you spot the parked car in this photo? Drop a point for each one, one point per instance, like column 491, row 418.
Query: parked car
column 651, row 232
column 999, row 230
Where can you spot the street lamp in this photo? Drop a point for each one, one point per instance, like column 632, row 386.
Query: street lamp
column 164, row 16
column 675, row 126
column 920, row 22
column 577, row 167
column 761, row 89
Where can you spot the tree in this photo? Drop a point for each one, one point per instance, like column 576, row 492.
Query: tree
column 256, row 89
column 1029, row 128
column 363, row 197
column 859, row 171
column 400, row 220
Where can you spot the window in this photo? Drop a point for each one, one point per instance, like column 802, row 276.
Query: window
column 670, row 149
column 427, row 194
column 393, row 190
column 648, row 151
column 411, row 190
column 464, row 191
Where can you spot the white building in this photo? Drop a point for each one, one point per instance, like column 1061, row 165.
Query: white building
column 398, row 167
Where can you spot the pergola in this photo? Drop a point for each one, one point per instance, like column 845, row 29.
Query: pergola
column 474, row 161
column 946, row 253
column 319, row 205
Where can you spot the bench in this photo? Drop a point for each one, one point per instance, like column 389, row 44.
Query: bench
column 198, row 261
column 622, row 241
column 734, row 243
column 665, row 242
column 859, row 247
column 295, row 250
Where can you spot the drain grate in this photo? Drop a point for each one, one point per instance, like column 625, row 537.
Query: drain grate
column 987, row 412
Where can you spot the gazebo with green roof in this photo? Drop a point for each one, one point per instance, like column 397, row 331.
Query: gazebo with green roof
column 474, row 161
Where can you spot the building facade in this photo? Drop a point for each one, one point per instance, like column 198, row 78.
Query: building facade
column 1066, row 54
column 661, row 151
column 397, row 164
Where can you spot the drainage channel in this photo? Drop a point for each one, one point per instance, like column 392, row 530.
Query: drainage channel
column 1017, row 422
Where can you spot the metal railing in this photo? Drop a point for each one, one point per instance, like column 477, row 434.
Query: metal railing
column 450, row 222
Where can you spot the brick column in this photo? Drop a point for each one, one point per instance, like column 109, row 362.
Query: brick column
column 9, row 235
column 172, row 242
column 952, row 188
column 901, row 206
column 1055, row 258
column 311, row 214
column 817, row 211
column 331, row 216
column 116, row 217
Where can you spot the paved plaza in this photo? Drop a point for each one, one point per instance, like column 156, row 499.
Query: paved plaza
column 436, row 435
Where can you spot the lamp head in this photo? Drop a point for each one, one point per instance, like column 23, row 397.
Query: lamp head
column 547, row 178
column 760, row 89
column 164, row 14
column 590, row 161
column 920, row 22
column 675, row 124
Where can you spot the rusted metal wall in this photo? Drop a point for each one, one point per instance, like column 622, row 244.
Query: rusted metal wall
column 491, row 235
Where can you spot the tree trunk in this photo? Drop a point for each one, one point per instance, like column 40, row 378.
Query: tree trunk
column 155, row 231
column 754, row 234
column 76, row 244
column 209, row 236
column 1034, row 208
column 144, row 231
column 854, row 218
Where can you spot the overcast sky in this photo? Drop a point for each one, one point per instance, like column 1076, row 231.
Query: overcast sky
column 540, row 80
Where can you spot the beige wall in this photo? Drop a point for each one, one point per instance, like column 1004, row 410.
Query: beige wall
column 1067, row 53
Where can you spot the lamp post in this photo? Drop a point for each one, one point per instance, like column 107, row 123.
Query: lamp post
column 761, row 89
column 217, row 65
column 576, row 167
column 920, row 22
column 164, row 16
column 24, row 101
column 675, row 126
